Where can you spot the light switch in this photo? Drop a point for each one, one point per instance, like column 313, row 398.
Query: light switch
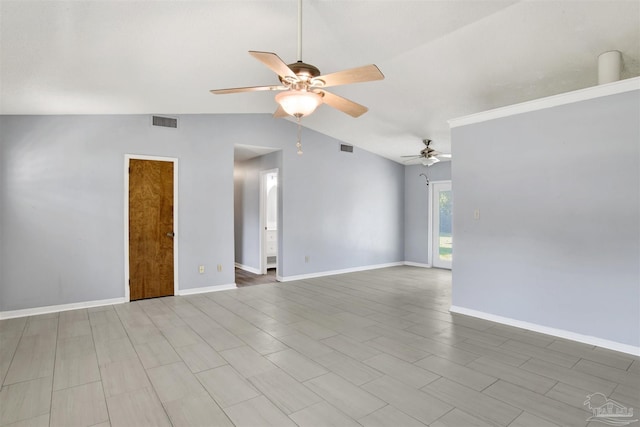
column 476, row 214
column 201, row 269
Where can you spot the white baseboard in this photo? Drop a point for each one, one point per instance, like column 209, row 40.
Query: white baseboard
column 247, row 268
column 417, row 264
column 56, row 308
column 206, row 289
column 560, row 333
column 334, row 272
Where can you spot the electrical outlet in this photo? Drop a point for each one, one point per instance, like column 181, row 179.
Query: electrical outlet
column 219, row 267
column 306, row 258
column 201, row 269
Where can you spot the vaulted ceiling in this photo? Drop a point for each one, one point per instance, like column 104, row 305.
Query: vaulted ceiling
column 441, row 59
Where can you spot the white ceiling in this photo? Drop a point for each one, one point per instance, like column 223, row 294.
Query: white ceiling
column 441, row 59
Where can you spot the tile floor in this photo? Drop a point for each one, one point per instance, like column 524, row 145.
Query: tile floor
column 375, row 348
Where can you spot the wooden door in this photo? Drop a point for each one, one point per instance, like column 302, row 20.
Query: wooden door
column 150, row 228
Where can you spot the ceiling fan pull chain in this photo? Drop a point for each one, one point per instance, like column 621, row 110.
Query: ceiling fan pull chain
column 299, row 143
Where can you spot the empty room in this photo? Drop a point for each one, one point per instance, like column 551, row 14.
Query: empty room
column 319, row 213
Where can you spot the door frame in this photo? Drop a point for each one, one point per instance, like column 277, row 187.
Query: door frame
column 174, row 160
column 263, row 219
column 432, row 205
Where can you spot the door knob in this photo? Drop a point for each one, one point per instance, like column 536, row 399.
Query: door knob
column 171, row 234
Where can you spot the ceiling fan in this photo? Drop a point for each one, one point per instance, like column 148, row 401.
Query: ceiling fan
column 304, row 87
column 428, row 155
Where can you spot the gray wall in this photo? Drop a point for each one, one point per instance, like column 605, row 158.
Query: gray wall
column 557, row 243
column 247, row 206
column 62, row 202
column 342, row 210
column 416, row 209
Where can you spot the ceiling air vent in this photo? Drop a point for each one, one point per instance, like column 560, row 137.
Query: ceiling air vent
column 167, row 122
column 346, row 148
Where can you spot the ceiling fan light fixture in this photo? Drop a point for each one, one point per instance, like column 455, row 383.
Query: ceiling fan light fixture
column 430, row 161
column 298, row 103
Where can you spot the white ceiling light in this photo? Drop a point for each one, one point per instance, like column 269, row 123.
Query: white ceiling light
column 298, row 103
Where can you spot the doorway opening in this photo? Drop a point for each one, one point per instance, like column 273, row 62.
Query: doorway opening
column 257, row 206
column 441, row 232
column 269, row 221
column 151, row 249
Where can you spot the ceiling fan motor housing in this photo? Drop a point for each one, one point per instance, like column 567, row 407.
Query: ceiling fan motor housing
column 304, row 71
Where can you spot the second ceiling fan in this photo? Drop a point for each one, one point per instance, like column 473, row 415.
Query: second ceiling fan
column 304, row 87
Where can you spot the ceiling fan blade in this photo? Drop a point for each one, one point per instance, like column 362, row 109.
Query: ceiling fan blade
column 280, row 113
column 246, row 89
column 366, row 73
column 445, row 155
column 346, row 106
column 411, row 160
column 274, row 63
column 413, row 156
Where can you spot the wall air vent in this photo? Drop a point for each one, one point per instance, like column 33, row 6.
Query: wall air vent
column 167, row 122
column 346, row 148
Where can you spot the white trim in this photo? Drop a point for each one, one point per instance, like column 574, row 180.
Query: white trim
column 561, row 333
column 247, row 268
column 207, row 289
column 174, row 160
column 334, row 272
column 417, row 264
column 614, row 88
column 57, row 308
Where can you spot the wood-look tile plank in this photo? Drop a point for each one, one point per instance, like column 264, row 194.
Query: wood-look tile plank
column 305, row 345
column 400, row 370
column 524, row 378
column 174, row 381
column 284, row 391
column 196, row 410
column 82, row 405
column 200, row 357
column 348, row 398
column 323, row 414
column 227, row 386
column 389, row 416
column 458, row 418
column 542, row 353
column 479, row 405
column 136, row 409
column 33, row 358
column 123, row 376
column 569, row 376
column 156, row 353
column 351, row 348
column 461, row 374
column 397, row 349
column 247, row 361
column 528, row 420
column 262, row 342
column 608, row 373
column 409, row 400
column 350, row 369
column 25, row 400
column 258, row 411
column 313, row 330
column 589, row 352
column 40, row 421
column 296, row 365
column 549, row 409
